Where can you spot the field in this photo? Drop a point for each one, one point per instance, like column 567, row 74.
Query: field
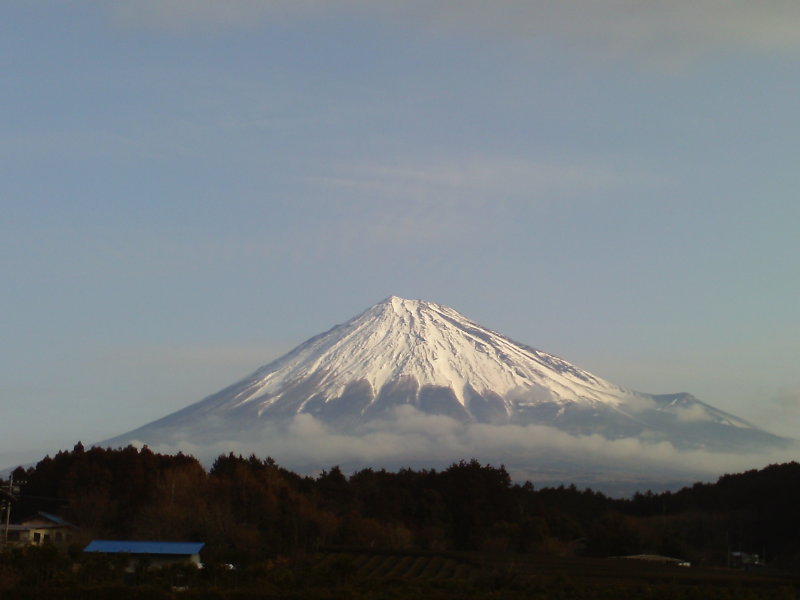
column 451, row 575
column 367, row 574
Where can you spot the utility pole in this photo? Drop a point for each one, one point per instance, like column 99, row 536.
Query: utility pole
column 10, row 495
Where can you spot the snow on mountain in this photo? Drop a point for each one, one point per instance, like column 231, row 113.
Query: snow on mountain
column 428, row 343
column 411, row 352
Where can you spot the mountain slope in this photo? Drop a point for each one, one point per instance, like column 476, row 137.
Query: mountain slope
column 410, row 352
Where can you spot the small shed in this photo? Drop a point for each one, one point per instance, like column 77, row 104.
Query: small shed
column 154, row 554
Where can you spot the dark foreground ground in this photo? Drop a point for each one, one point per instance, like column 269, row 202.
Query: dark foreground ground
column 368, row 575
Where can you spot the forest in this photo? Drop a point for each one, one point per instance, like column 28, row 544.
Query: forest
column 268, row 524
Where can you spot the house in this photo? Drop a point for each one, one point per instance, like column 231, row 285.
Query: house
column 40, row 529
column 153, row 554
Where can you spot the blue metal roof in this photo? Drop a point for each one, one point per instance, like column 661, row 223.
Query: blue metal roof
column 129, row 547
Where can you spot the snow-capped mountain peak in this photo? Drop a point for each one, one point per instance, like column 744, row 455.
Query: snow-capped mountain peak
column 403, row 352
column 400, row 339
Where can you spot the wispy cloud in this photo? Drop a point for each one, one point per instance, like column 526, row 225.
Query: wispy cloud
column 668, row 32
column 417, row 202
column 479, row 179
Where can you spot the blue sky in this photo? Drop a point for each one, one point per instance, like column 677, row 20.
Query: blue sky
column 190, row 188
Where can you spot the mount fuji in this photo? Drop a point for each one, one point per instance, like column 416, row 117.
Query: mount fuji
column 403, row 356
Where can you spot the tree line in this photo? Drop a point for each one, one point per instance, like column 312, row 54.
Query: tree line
column 248, row 509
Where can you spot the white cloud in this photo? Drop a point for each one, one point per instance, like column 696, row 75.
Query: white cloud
column 781, row 412
column 409, row 437
column 691, row 414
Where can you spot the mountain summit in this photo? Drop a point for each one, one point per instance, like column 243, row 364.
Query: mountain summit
column 428, row 356
column 414, row 352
